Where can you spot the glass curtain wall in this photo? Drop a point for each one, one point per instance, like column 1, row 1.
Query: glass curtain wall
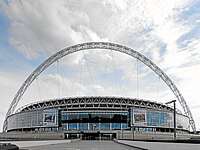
column 94, row 120
column 34, row 119
column 156, row 118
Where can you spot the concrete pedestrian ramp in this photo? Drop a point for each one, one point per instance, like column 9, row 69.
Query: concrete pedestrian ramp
column 161, row 145
column 74, row 145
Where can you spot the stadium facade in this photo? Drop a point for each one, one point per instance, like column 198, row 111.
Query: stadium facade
column 97, row 114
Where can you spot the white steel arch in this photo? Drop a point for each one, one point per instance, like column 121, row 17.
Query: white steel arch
column 99, row 45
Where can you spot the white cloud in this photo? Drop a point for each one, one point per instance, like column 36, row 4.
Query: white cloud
column 37, row 27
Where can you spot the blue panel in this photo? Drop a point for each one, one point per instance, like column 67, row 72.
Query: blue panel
column 158, row 118
column 116, row 126
column 94, row 126
column 83, row 126
column 124, row 125
column 73, row 126
column 105, row 126
column 64, row 117
column 64, row 126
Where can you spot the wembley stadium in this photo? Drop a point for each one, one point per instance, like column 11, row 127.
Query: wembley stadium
column 75, row 116
column 96, row 113
column 98, row 117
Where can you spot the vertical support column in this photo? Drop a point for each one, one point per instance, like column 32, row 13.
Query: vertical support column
column 81, row 136
column 174, row 102
column 78, row 126
column 99, row 124
column 122, row 133
column 174, row 119
column 111, row 137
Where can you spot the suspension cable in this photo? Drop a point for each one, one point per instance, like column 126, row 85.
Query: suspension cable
column 46, row 87
column 58, row 79
column 116, row 75
column 39, row 92
column 137, row 78
column 124, row 91
column 101, row 83
column 155, row 83
column 88, row 69
column 65, row 75
column 80, row 76
column 73, row 82
column 157, row 89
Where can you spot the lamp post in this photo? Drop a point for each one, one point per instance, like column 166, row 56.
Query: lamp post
column 174, row 102
column 41, row 123
column 22, row 125
column 122, row 134
column 132, row 127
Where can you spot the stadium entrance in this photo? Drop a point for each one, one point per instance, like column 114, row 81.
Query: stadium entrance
column 88, row 135
column 97, row 136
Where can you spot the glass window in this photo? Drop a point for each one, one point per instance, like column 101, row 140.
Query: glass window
column 65, row 126
column 72, row 126
column 94, row 126
column 64, row 117
column 116, row 126
column 124, row 125
column 83, row 126
column 105, row 126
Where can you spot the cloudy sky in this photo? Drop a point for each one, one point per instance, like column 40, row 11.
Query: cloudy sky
column 167, row 32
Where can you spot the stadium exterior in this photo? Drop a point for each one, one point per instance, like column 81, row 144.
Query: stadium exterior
column 100, row 116
column 97, row 114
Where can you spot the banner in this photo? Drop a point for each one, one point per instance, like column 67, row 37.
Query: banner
column 139, row 117
column 49, row 117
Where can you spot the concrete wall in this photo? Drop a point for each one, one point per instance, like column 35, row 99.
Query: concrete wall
column 120, row 135
column 150, row 135
column 34, row 135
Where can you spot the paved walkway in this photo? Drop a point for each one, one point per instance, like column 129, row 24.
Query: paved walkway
column 23, row 144
column 82, row 145
column 162, row 145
